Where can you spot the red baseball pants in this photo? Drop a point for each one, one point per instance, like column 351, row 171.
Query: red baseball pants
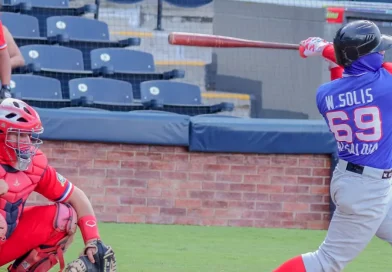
column 35, row 228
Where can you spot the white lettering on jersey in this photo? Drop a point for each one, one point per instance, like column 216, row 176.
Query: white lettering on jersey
column 329, row 102
column 358, row 149
column 351, row 98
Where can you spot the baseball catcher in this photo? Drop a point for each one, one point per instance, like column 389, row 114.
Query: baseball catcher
column 34, row 238
column 356, row 106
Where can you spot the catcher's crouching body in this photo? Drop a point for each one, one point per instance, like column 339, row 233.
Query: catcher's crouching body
column 34, row 238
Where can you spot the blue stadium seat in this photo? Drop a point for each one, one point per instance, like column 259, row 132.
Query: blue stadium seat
column 54, row 61
column 75, row 28
column 177, row 97
column 171, row 92
column 43, row 13
column 38, row 91
column 20, row 24
column 71, row 31
column 128, row 65
column 24, row 28
column 189, row 3
column 29, row 86
column 122, row 60
column 53, row 57
column 103, row 93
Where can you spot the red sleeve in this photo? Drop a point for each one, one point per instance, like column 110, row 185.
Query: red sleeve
column 387, row 66
column 336, row 73
column 329, row 53
column 3, row 43
column 54, row 186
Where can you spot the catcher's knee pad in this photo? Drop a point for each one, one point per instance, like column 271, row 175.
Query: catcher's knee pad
column 44, row 257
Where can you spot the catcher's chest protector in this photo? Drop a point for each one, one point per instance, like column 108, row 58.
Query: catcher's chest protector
column 20, row 186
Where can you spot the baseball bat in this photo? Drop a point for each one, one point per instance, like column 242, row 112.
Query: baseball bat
column 206, row 40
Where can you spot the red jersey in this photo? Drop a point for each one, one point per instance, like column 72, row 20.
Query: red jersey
column 337, row 72
column 3, row 43
column 39, row 177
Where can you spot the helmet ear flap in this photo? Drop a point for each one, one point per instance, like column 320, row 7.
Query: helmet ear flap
column 351, row 53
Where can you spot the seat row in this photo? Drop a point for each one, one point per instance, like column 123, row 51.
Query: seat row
column 41, row 12
column 64, row 64
column 113, row 95
column 64, row 30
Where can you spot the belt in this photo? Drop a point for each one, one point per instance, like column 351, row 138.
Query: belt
column 365, row 170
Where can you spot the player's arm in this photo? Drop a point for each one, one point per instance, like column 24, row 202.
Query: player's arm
column 315, row 46
column 5, row 66
column 87, row 221
column 16, row 57
column 329, row 55
column 57, row 188
column 387, row 66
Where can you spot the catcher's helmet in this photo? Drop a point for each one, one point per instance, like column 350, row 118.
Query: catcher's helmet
column 20, row 127
column 357, row 39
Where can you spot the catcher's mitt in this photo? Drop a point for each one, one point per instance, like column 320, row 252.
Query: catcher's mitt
column 105, row 260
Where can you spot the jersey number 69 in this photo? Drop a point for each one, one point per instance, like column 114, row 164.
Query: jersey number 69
column 367, row 131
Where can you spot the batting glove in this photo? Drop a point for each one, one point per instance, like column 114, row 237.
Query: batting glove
column 312, row 46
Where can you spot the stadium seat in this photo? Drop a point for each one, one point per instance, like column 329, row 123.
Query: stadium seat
column 54, row 61
column 43, row 13
column 128, row 65
column 121, row 60
column 38, row 91
column 189, row 3
column 53, row 57
column 102, row 93
column 24, row 28
column 178, row 97
column 20, row 24
column 71, row 31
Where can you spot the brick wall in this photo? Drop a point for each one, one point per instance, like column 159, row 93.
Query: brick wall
column 168, row 185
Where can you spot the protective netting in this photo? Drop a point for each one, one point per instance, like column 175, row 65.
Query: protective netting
column 114, row 54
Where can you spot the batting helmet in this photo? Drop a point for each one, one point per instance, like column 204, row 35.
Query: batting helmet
column 357, row 39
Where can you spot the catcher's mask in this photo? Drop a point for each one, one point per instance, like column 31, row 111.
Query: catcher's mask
column 20, row 127
column 357, row 39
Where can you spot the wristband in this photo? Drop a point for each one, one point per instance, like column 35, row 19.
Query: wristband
column 88, row 227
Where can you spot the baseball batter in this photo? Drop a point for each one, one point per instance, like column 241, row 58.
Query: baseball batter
column 356, row 106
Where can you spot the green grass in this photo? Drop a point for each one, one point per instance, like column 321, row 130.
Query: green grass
column 165, row 248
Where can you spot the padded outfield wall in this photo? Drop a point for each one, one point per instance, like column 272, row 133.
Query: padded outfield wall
column 208, row 170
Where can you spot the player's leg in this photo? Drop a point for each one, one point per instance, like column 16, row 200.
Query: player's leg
column 361, row 205
column 385, row 230
column 38, row 243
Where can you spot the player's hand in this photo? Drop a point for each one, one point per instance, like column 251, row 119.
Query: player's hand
column 312, row 46
column 90, row 249
column 3, row 187
column 104, row 259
